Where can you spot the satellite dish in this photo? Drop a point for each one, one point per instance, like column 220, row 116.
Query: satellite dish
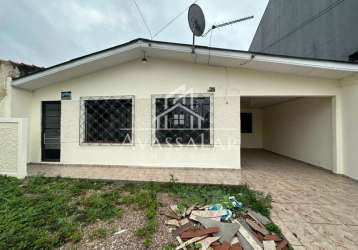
column 196, row 20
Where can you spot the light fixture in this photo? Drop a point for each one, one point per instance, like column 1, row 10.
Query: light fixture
column 144, row 59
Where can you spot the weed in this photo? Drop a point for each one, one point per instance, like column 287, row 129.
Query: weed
column 99, row 233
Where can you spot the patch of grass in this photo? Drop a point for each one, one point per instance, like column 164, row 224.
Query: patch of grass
column 211, row 194
column 99, row 233
column 42, row 213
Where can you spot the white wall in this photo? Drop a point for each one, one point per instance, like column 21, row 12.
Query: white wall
column 350, row 126
column 162, row 77
column 301, row 129
column 13, row 147
column 255, row 139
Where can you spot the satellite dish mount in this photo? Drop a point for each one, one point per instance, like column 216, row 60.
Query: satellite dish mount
column 196, row 21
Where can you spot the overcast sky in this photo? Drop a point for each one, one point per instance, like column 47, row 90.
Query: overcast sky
column 45, row 33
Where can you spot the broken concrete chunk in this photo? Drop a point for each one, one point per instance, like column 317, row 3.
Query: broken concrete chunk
column 184, row 221
column 227, row 230
column 199, row 232
column 205, row 243
column 208, row 213
column 245, row 234
column 234, row 241
column 172, row 222
column 269, row 245
column 258, row 217
column 282, row 245
column 191, row 241
column 257, row 227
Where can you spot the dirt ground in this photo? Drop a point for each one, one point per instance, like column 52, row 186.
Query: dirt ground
column 132, row 220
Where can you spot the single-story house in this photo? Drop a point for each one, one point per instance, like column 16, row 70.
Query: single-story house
column 156, row 104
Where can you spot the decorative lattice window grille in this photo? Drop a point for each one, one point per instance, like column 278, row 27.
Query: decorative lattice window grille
column 107, row 120
column 182, row 119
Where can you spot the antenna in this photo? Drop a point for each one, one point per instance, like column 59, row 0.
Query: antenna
column 196, row 21
column 227, row 23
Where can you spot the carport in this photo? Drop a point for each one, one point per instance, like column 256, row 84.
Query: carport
column 297, row 127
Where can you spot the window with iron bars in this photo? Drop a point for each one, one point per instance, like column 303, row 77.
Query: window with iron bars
column 107, row 120
column 185, row 120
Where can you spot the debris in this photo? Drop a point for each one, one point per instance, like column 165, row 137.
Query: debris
column 273, row 237
column 250, row 239
column 183, row 228
column 269, row 245
column 170, row 214
column 180, row 242
column 219, row 208
column 224, row 246
column 282, row 245
column 120, row 232
column 184, row 221
column 234, row 240
column 177, row 211
column 189, row 210
column 172, row 222
column 236, row 204
column 205, row 243
column 257, row 227
column 187, row 243
column 227, row 230
column 258, row 217
column 216, row 215
column 236, row 246
column 199, row 232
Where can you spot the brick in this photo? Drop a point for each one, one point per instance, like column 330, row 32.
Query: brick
column 224, row 246
column 272, row 237
column 282, row 245
column 199, row 232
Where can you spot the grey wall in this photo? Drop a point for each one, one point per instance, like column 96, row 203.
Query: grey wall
column 333, row 35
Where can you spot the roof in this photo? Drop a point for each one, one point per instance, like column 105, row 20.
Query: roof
column 176, row 51
column 24, row 69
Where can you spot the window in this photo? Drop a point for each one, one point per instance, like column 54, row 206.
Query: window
column 184, row 120
column 246, row 123
column 107, row 120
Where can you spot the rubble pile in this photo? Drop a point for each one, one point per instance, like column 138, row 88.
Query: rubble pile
column 217, row 228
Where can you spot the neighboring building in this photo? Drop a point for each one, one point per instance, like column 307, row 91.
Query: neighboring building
column 179, row 110
column 9, row 69
column 322, row 29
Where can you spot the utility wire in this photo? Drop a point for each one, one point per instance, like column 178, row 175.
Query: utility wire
column 173, row 19
column 305, row 23
column 143, row 19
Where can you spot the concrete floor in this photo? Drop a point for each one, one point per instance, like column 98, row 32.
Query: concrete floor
column 314, row 208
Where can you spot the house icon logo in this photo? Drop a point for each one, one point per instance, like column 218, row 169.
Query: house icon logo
column 177, row 116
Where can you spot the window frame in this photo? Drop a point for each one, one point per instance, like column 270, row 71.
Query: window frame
column 153, row 117
column 82, row 133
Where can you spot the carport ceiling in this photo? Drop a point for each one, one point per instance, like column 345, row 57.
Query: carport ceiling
column 261, row 102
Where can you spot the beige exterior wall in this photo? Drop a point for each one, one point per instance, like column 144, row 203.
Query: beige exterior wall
column 350, row 126
column 301, row 129
column 255, row 139
column 13, row 147
column 163, row 77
